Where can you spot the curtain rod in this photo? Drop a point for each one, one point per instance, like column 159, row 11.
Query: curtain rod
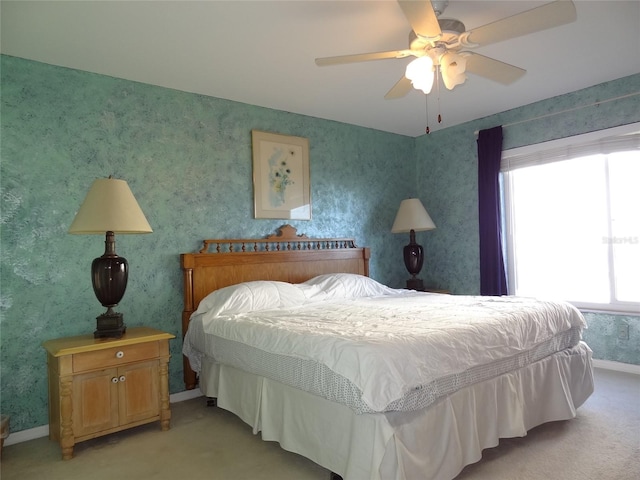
column 565, row 111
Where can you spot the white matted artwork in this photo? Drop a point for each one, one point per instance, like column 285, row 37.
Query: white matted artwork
column 281, row 176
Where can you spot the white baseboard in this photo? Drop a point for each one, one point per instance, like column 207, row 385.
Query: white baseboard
column 185, row 395
column 26, row 435
column 617, row 366
column 43, row 431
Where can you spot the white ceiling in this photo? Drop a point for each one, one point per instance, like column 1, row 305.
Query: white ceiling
column 262, row 52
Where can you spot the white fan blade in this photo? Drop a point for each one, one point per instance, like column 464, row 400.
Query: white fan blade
column 541, row 18
column 421, row 17
column 400, row 89
column 362, row 57
column 492, row 69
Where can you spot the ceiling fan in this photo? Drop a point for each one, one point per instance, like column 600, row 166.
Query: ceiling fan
column 438, row 43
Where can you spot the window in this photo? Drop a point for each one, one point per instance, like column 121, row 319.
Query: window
column 572, row 216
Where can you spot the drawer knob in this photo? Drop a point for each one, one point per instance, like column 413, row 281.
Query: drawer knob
column 120, row 354
column 114, row 380
column 122, row 378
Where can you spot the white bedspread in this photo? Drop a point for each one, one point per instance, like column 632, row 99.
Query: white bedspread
column 388, row 345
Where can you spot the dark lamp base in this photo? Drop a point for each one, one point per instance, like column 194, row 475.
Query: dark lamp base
column 109, row 325
column 415, row 284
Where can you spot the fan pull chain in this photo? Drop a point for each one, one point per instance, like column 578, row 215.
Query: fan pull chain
column 426, row 102
column 438, row 88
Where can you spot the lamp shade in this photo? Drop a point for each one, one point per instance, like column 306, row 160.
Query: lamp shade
column 412, row 216
column 453, row 66
column 420, row 72
column 109, row 207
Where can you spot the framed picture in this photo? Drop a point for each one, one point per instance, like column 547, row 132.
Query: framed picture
column 281, row 176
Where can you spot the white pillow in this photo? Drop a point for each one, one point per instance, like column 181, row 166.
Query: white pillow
column 251, row 296
column 348, row 285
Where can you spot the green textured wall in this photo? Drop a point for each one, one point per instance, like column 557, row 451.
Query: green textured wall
column 187, row 159
column 603, row 336
column 447, row 184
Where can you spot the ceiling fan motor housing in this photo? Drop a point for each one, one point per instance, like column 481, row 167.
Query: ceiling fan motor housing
column 451, row 25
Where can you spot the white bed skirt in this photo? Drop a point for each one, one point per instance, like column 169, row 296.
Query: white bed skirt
column 435, row 443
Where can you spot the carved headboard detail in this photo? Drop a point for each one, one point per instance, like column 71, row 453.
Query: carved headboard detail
column 285, row 238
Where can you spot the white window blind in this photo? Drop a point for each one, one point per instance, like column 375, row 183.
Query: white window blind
column 572, row 215
column 619, row 139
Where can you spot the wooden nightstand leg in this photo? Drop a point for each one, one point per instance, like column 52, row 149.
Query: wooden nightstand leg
column 165, row 412
column 66, row 418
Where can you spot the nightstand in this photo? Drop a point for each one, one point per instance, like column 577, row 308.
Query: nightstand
column 101, row 386
column 431, row 290
column 435, row 290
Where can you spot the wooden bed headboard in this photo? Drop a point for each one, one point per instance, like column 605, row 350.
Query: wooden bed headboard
column 284, row 256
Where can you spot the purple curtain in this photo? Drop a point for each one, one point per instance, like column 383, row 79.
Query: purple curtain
column 493, row 280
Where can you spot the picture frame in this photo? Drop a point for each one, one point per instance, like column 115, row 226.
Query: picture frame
column 281, row 184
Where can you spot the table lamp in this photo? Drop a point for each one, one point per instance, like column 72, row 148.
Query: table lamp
column 109, row 208
column 412, row 217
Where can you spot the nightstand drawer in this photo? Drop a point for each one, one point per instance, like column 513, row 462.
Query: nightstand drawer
column 111, row 357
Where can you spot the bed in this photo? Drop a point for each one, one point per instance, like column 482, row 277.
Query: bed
column 281, row 331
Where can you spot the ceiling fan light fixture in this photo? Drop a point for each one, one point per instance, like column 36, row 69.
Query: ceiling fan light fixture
column 421, row 73
column 453, row 66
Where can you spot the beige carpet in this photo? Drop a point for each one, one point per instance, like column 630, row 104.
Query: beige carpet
column 602, row 443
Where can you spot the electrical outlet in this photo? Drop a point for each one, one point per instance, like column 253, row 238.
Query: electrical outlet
column 623, row 331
